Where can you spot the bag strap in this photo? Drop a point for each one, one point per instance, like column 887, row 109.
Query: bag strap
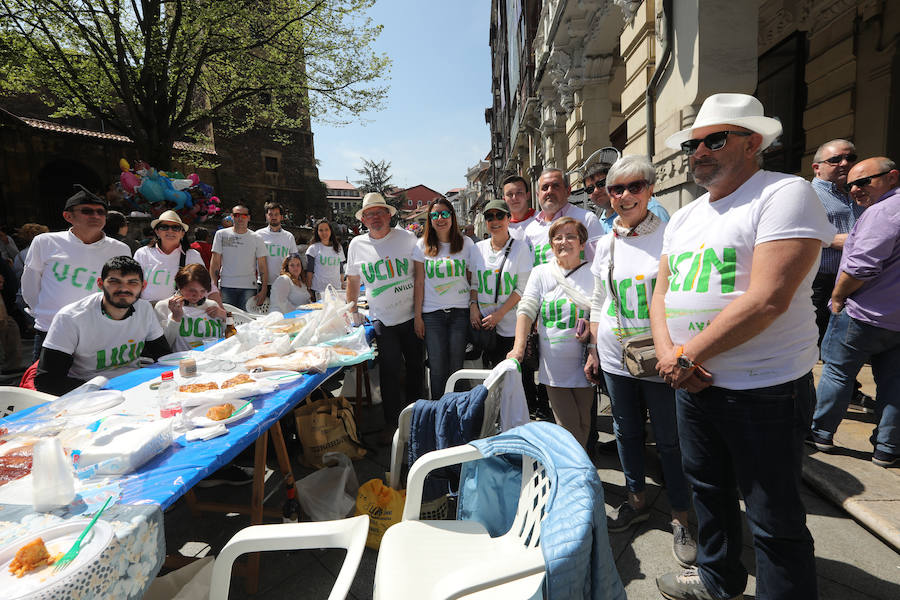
column 182, row 259
column 614, row 293
column 567, row 288
column 500, row 270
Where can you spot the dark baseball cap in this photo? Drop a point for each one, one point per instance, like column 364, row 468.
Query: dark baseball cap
column 496, row 204
column 83, row 196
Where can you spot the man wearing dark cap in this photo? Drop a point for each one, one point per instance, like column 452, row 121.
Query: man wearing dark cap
column 63, row 266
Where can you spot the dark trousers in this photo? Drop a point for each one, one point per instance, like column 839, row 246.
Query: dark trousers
column 750, row 441
column 398, row 343
column 494, row 357
column 822, row 286
column 39, row 337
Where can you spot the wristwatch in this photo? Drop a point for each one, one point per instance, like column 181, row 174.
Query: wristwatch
column 683, row 361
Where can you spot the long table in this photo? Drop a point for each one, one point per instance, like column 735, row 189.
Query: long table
column 138, row 550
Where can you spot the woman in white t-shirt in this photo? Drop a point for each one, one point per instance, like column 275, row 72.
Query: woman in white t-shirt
column 559, row 292
column 163, row 257
column 626, row 264
column 289, row 290
column 325, row 260
column 188, row 319
column 441, row 293
column 500, row 268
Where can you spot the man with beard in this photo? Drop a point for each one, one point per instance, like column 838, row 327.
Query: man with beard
column 102, row 334
column 733, row 293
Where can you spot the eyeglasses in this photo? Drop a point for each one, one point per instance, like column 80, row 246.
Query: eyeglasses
column 241, row 215
column 839, row 158
column 164, row 227
column 565, row 237
column 443, row 214
column 634, row 187
column 864, row 181
column 590, row 188
column 100, row 212
column 714, row 141
column 493, row 216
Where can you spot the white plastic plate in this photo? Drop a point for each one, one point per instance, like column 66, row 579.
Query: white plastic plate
column 58, row 540
column 198, row 418
column 278, row 378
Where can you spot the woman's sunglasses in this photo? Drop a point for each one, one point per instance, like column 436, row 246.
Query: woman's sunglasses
column 443, row 214
column 494, row 216
column 635, row 187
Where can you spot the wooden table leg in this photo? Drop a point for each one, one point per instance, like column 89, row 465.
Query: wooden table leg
column 256, row 508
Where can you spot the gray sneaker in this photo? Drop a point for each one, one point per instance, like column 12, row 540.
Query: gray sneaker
column 686, row 585
column 684, row 548
column 626, row 516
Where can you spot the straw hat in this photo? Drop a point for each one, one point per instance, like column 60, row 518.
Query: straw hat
column 171, row 216
column 731, row 109
column 371, row 200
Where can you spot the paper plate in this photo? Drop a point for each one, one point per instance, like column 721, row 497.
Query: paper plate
column 175, row 358
column 279, row 378
column 42, row 582
column 202, row 421
column 91, row 402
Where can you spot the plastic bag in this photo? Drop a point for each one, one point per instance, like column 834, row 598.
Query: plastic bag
column 122, row 444
column 383, row 504
column 329, row 493
column 331, row 322
column 350, row 349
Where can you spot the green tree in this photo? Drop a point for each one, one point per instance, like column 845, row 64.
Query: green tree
column 376, row 177
column 163, row 70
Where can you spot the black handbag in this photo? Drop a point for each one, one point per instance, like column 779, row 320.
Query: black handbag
column 532, row 356
column 486, row 339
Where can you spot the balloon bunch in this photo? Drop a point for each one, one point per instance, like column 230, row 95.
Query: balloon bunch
column 152, row 191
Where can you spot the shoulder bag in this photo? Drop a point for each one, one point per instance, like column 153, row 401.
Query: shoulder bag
column 486, row 339
column 638, row 351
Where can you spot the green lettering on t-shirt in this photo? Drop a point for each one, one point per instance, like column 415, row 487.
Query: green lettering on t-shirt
column 727, row 267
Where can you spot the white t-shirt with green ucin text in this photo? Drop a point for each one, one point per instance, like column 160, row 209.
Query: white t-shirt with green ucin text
column 446, row 283
column 485, row 265
column 710, row 245
column 279, row 245
column 385, row 268
column 327, row 269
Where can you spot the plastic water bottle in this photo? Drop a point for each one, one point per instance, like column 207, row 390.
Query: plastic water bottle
column 169, row 405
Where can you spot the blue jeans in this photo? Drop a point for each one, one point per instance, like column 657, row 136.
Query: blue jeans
column 237, row 297
column 625, row 394
column 848, row 344
column 445, row 341
column 750, row 441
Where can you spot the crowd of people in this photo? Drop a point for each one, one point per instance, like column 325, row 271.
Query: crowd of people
column 739, row 293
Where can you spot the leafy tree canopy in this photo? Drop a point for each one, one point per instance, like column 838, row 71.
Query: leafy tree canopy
column 163, row 70
column 376, row 177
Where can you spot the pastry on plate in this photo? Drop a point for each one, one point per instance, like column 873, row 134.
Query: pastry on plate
column 30, row 557
column 196, row 388
column 238, row 380
column 220, row 413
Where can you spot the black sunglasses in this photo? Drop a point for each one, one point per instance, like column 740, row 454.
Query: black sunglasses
column 164, row 227
column 838, row 158
column 443, row 214
column 864, row 181
column 494, row 216
column 100, row 212
column 714, row 141
column 634, row 187
column 590, row 188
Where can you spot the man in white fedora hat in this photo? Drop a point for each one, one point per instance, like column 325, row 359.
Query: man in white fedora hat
column 735, row 334
column 382, row 260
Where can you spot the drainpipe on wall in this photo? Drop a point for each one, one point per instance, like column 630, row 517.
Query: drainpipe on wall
column 654, row 81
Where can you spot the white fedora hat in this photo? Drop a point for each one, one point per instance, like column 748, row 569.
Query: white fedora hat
column 171, row 216
column 371, row 200
column 731, row 109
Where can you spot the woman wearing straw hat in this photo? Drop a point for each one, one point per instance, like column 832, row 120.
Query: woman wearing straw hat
column 162, row 258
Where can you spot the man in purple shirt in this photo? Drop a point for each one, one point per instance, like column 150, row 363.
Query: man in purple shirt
column 865, row 321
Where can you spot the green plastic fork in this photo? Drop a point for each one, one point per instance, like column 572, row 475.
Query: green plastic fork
column 69, row 556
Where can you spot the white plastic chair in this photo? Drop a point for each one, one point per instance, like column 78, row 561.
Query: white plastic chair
column 13, row 399
column 257, row 309
column 240, row 316
column 344, row 533
column 430, row 560
column 488, row 426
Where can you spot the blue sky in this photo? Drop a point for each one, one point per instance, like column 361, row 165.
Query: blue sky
column 432, row 128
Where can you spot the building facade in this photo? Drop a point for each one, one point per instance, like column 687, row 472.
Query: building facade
column 569, row 77
column 344, row 199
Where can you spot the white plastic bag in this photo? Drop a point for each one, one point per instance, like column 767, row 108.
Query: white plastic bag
column 329, row 493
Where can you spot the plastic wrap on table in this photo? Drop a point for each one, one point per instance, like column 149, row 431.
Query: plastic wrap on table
column 122, row 444
column 331, row 322
column 310, row 358
column 350, row 349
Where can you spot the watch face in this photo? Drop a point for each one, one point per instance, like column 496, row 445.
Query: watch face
column 684, row 362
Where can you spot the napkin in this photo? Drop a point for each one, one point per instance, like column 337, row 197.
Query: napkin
column 206, row 433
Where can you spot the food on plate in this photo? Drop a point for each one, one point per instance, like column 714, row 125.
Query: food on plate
column 29, row 557
column 220, row 413
column 311, row 306
column 238, row 380
column 344, row 351
column 15, row 464
column 196, row 388
column 303, row 359
column 288, row 326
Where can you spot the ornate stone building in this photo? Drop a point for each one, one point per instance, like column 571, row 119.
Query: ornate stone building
column 572, row 76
